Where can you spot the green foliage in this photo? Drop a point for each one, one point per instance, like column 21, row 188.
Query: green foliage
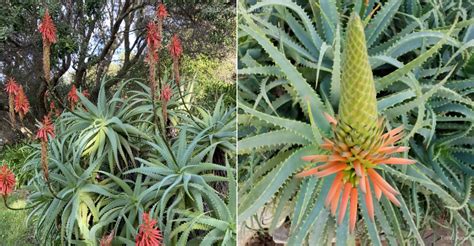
column 15, row 156
column 214, row 77
column 290, row 73
column 109, row 163
column 219, row 126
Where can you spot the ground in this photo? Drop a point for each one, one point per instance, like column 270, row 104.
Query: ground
column 13, row 228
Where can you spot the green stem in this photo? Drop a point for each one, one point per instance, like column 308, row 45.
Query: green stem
column 16, row 209
column 52, row 191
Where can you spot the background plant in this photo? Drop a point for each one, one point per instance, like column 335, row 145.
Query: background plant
column 289, row 74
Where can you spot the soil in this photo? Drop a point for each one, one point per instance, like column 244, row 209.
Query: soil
column 262, row 239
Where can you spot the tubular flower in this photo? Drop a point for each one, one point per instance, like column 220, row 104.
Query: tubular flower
column 72, row 97
column 12, row 89
column 165, row 98
column 161, row 11
column 7, row 180
column 48, row 32
column 176, row 50
column 359, row 145
column 106, row 240
column 148, row 233
column 46, row 128
column 22, row 105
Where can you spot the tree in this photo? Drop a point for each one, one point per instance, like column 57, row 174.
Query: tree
column 92, row 35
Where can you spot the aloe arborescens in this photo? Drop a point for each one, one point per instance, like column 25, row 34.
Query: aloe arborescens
column 12, row 89
column 359, row 144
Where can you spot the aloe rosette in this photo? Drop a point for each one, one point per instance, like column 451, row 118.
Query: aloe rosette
column 359, row 145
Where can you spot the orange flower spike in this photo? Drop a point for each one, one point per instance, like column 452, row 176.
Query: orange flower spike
column 161, row 11
column 175, row 47
column 12, row 87
column 22, row 105
column 353, row 210
column 46, row 129
column 152, row 37
column 7, row 180
column 47, row 28
column 344, row 201
column 368, row 199
column 72, row 96
column 148, row 233
column 336, row 185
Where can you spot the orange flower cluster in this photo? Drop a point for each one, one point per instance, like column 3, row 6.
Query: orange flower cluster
column 354, row 168
column 7, row 180
column 153, row 40
column 47, row 28
column 46, row 128
column 175, row 48
column 148, row 233
column 106, row 240
column 12, row 89
column 161, row 12
column 22, row 105
column 72, row 97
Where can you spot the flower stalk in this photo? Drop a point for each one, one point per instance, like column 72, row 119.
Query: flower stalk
column 48, row 33
column 46, row 129
column 12, row 89
column 359, row 145
column 165, row 98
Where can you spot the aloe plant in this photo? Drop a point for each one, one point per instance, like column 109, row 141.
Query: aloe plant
column 294, row 67
column 91, row 194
